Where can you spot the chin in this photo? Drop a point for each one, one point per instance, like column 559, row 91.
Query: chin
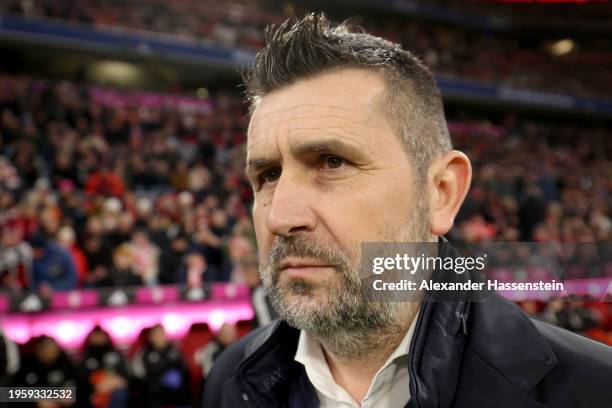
column 304, row 294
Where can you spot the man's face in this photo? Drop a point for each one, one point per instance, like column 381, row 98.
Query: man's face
column 328, row 173
column 157, row 337
column 47, row 351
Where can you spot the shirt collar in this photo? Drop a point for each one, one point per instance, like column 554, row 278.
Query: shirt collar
column 310, row 354
column 308, row 348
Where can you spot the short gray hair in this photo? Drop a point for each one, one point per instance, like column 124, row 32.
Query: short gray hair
column 300, row 49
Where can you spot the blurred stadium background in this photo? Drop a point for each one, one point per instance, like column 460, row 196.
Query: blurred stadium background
column 127, row 255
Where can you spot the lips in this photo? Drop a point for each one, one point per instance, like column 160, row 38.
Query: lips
column 302, row 264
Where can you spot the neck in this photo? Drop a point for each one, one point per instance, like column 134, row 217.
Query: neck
column 354, row 357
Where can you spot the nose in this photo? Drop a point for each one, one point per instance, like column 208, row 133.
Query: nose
column 291, row 208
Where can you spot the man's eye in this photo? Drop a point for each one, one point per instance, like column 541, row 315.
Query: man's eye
column 333, row 162
column 270, row 175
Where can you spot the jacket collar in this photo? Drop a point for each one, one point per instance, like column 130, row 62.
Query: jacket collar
column 494, row 329
column 508, row 341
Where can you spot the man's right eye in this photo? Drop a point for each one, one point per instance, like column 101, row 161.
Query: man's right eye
column 269, row 175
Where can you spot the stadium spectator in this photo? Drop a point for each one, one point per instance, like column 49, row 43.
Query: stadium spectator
column 103, row 378
column 66, row 238
column 163, row 374
column 9, row 178
column 52, row 266
column 241, row 256
column 99, row 258
column 206, row 356
column 47, row 366
column 207, row 242
column 264, row 312
column 145, row 257
column 570, row 315
column 171, row 259
column 193, row 270
column 105, row 182
column 9, row 360
column 121, row 273
column 15, row 260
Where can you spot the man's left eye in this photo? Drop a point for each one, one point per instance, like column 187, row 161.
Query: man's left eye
column 333, row 162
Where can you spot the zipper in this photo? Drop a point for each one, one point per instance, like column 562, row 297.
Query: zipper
column 246, row 399
column 462, row 329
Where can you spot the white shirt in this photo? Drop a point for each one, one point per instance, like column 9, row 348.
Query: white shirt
column 389, row 387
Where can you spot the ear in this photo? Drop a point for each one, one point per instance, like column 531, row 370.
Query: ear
column 449, row 180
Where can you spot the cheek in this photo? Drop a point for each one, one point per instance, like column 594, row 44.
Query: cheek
column 347, row 221
column 364, row 212
column 262, row 234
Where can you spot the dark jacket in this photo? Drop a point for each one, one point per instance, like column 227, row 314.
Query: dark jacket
column 462, row 355
column 98, row 360
column 120, row 277
column 56, row 267
column 165, row 379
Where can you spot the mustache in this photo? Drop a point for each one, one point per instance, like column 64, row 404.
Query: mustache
column 298, row 246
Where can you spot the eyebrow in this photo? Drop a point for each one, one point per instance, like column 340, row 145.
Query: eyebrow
column 325, row 146
column 254, row 166
column 330, row 146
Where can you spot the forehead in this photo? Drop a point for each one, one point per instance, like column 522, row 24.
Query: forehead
column 345, row 102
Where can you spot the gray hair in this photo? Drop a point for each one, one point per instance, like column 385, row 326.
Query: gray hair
column 300, row 49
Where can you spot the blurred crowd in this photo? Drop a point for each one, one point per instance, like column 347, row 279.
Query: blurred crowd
column 582, row 67
column 238, row 24
column 547, row 13
column 153, row 372
column 535, row 181
column 506, row 60
column 96, row 192
column 100, row 191
column 592, row 319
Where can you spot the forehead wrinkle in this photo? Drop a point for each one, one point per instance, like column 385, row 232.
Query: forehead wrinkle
column 256, row 119
column 340, row 129
column 354, row 128
column 356, row 140
column 279, row 121
column 355, row 136
column 314, row 123
column 270, row 136
column 341, row 104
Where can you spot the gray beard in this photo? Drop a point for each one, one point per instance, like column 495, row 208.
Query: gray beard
column 334, row 311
